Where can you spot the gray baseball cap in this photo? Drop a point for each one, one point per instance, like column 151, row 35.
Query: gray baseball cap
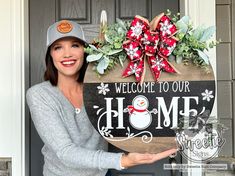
column 64, row 28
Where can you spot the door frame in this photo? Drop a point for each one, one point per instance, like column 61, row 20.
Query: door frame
column 196, row 9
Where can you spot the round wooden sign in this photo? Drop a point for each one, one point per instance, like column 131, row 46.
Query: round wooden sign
column 142, row 117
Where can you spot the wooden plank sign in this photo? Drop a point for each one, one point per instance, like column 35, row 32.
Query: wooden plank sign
column 141, row 117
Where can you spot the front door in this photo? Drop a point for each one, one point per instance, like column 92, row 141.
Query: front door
column 86, row 12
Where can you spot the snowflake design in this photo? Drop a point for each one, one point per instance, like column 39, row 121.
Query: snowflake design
column 156, row 44
column 137, row 30
column 165, row 27
column 171, row 48
column 103, row 88
column 132, row 52
column 158, row 64
column 134, row 70
column 207, row 95
column 145, row 40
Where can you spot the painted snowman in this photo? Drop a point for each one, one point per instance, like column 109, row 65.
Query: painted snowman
column 139, row 116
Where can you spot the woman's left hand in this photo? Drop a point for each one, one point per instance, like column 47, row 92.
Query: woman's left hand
column 133, row 159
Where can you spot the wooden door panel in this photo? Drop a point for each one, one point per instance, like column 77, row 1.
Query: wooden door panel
column 98, row 6
column 159, row 6
column 76, row 10
column 39, row 23
column 42, row 14
column 127, row 9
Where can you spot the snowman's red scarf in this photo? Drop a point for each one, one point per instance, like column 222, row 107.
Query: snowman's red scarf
column 132, row 109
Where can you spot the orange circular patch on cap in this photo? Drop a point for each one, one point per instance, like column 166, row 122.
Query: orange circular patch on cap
column 64, row 26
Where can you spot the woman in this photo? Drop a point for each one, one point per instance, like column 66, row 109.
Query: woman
column 72, row 146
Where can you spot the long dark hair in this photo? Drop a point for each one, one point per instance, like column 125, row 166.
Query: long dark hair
column 51, row 73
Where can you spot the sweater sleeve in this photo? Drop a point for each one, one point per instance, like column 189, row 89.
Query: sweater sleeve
column 55, row 136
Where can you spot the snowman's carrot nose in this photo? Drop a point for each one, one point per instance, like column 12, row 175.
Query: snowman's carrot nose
column 142, row 102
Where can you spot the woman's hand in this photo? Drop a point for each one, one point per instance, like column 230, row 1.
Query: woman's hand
column 133, row 159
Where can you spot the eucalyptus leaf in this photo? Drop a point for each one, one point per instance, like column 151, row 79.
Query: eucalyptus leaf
column 190, row 33
column 121, row 30
column 94, row 57
column 92, row 47
column 117, row 45
column 88, row 50
column 102, row 65
column 203, row 56
column 105, row 49
column 121, row 23
column 182, row 24
column 109, row 40
column 101, row 51
column 207, row 34
column 121, row 59
column 114, row 52
column 198, row 32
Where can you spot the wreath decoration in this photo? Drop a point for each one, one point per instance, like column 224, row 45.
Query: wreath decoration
column 165, row 39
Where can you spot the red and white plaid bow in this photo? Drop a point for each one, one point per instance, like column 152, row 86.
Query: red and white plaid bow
column 154, row 41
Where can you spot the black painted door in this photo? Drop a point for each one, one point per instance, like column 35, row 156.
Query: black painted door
column 86, row 12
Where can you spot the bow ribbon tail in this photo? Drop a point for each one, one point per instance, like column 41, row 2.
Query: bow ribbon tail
column 136, row 68
column 172, row 66
column 158, row 64
column 143, row 70
column 154, row 69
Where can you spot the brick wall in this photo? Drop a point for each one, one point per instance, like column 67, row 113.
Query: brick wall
column 5, row 167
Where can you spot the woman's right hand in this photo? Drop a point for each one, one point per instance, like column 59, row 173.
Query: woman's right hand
column 133, row 159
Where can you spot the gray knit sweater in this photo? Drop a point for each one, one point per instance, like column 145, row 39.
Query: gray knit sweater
column 72, row 147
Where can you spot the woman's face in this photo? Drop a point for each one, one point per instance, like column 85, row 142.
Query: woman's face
column 68, row 56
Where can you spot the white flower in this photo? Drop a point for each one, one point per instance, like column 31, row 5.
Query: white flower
column 136, row 30
column 103, row 88
column 207, row 95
